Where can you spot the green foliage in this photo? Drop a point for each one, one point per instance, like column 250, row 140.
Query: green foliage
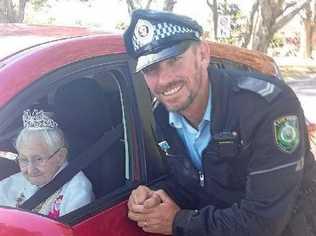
column 121, row 25
column 277, row 41
column 237, row 20
column 38, row 4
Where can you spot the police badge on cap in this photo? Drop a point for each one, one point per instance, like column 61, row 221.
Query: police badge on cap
column 144, row 32
column 154, row 36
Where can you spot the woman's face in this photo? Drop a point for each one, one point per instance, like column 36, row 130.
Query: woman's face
column 37, row 162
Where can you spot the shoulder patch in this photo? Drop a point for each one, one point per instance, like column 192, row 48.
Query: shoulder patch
column 286, row 133
column 264, row 88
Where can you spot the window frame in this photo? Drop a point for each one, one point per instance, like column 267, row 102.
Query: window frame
column 118, row 65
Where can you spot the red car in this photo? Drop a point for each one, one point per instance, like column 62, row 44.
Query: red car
column 89, row 83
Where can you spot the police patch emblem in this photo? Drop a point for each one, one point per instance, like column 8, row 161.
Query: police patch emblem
column 144, row 32
column 286, row 132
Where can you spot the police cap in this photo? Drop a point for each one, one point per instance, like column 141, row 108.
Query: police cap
column 154, row 36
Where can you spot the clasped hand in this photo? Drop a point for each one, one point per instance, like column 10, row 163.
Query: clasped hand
column 154, row 211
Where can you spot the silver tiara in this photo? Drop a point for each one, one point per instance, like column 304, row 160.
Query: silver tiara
column 37, row 120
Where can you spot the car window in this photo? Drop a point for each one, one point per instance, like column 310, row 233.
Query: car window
column 86, row 104
column 86, row 108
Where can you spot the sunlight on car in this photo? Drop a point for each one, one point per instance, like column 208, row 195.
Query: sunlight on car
column 8, row 155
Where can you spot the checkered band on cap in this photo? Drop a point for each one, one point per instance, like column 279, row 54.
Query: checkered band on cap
column 161, row 31
column 150, row 32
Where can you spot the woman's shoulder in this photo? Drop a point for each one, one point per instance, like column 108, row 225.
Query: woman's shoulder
column 80, row 181
column 14, row 179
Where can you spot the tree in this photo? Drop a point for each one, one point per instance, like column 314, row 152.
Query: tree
column 169, row 5
column 265, row 19
column 11, row 11
column 214, row 9
column 232, row 11
column 309, row 19
column 132, row 5
column 269, row 16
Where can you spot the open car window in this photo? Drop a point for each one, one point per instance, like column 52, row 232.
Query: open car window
column 86, row 104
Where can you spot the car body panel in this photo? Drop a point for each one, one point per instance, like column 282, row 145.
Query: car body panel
column 25, row 67
column 15, row 222
column 10, row 35
column 116, row 223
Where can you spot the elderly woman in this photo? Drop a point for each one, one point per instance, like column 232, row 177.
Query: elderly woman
column 42, row 153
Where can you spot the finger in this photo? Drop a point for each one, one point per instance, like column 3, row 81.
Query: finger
column 132, row 206
column 164, row 197
column 130, row 202
column 148, row 224
column 140, row 209
column 153, row 201
column 136, row 208
column 148, row 215
column 136, row 216
column 136, row 197
column 142, row 224
column 141, row 194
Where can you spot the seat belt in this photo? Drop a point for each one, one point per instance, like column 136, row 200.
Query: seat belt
column 73, row 167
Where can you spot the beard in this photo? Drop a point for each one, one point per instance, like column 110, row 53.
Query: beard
column 192, row 92
column 183, row 106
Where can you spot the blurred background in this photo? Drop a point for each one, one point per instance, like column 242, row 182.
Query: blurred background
column 283, row 29
column 277, row 27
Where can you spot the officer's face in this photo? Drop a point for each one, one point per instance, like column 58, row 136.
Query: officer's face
column 180, row 82
column 37, row 163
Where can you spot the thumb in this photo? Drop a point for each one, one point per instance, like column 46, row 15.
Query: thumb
column 141, row 194
column 164, row 197
column 153, row 201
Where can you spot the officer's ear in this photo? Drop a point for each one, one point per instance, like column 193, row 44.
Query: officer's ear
column 204, row 51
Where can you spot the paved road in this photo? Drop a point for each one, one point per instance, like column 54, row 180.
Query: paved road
column 305, row 88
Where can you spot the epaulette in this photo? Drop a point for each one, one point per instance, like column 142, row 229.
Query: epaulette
column 264, row 88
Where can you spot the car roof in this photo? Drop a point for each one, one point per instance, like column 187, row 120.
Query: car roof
column 42, row 49
column 17, row 37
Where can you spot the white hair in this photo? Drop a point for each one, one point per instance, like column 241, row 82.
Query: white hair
column 54, row 137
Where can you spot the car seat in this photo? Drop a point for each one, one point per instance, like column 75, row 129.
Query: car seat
column 83, row 112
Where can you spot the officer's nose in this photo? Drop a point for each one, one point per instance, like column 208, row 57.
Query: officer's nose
column 165, row 74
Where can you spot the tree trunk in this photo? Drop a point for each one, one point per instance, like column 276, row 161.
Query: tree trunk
column 136, row 4
column 248, row 34
column 21, row 11
column 306, row 45
column 10, row 13
column 213, row 7
column 271, row 17
column 308, row 38
column 169, row 5
column 3, row 12
column 130, row 6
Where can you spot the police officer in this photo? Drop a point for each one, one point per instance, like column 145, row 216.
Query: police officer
column 235, row 142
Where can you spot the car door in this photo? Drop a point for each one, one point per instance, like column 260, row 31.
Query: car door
column 88, row 98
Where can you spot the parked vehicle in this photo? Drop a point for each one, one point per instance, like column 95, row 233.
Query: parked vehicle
column 86, row 79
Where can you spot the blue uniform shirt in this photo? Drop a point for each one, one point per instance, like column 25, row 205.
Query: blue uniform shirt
column 195, row 140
